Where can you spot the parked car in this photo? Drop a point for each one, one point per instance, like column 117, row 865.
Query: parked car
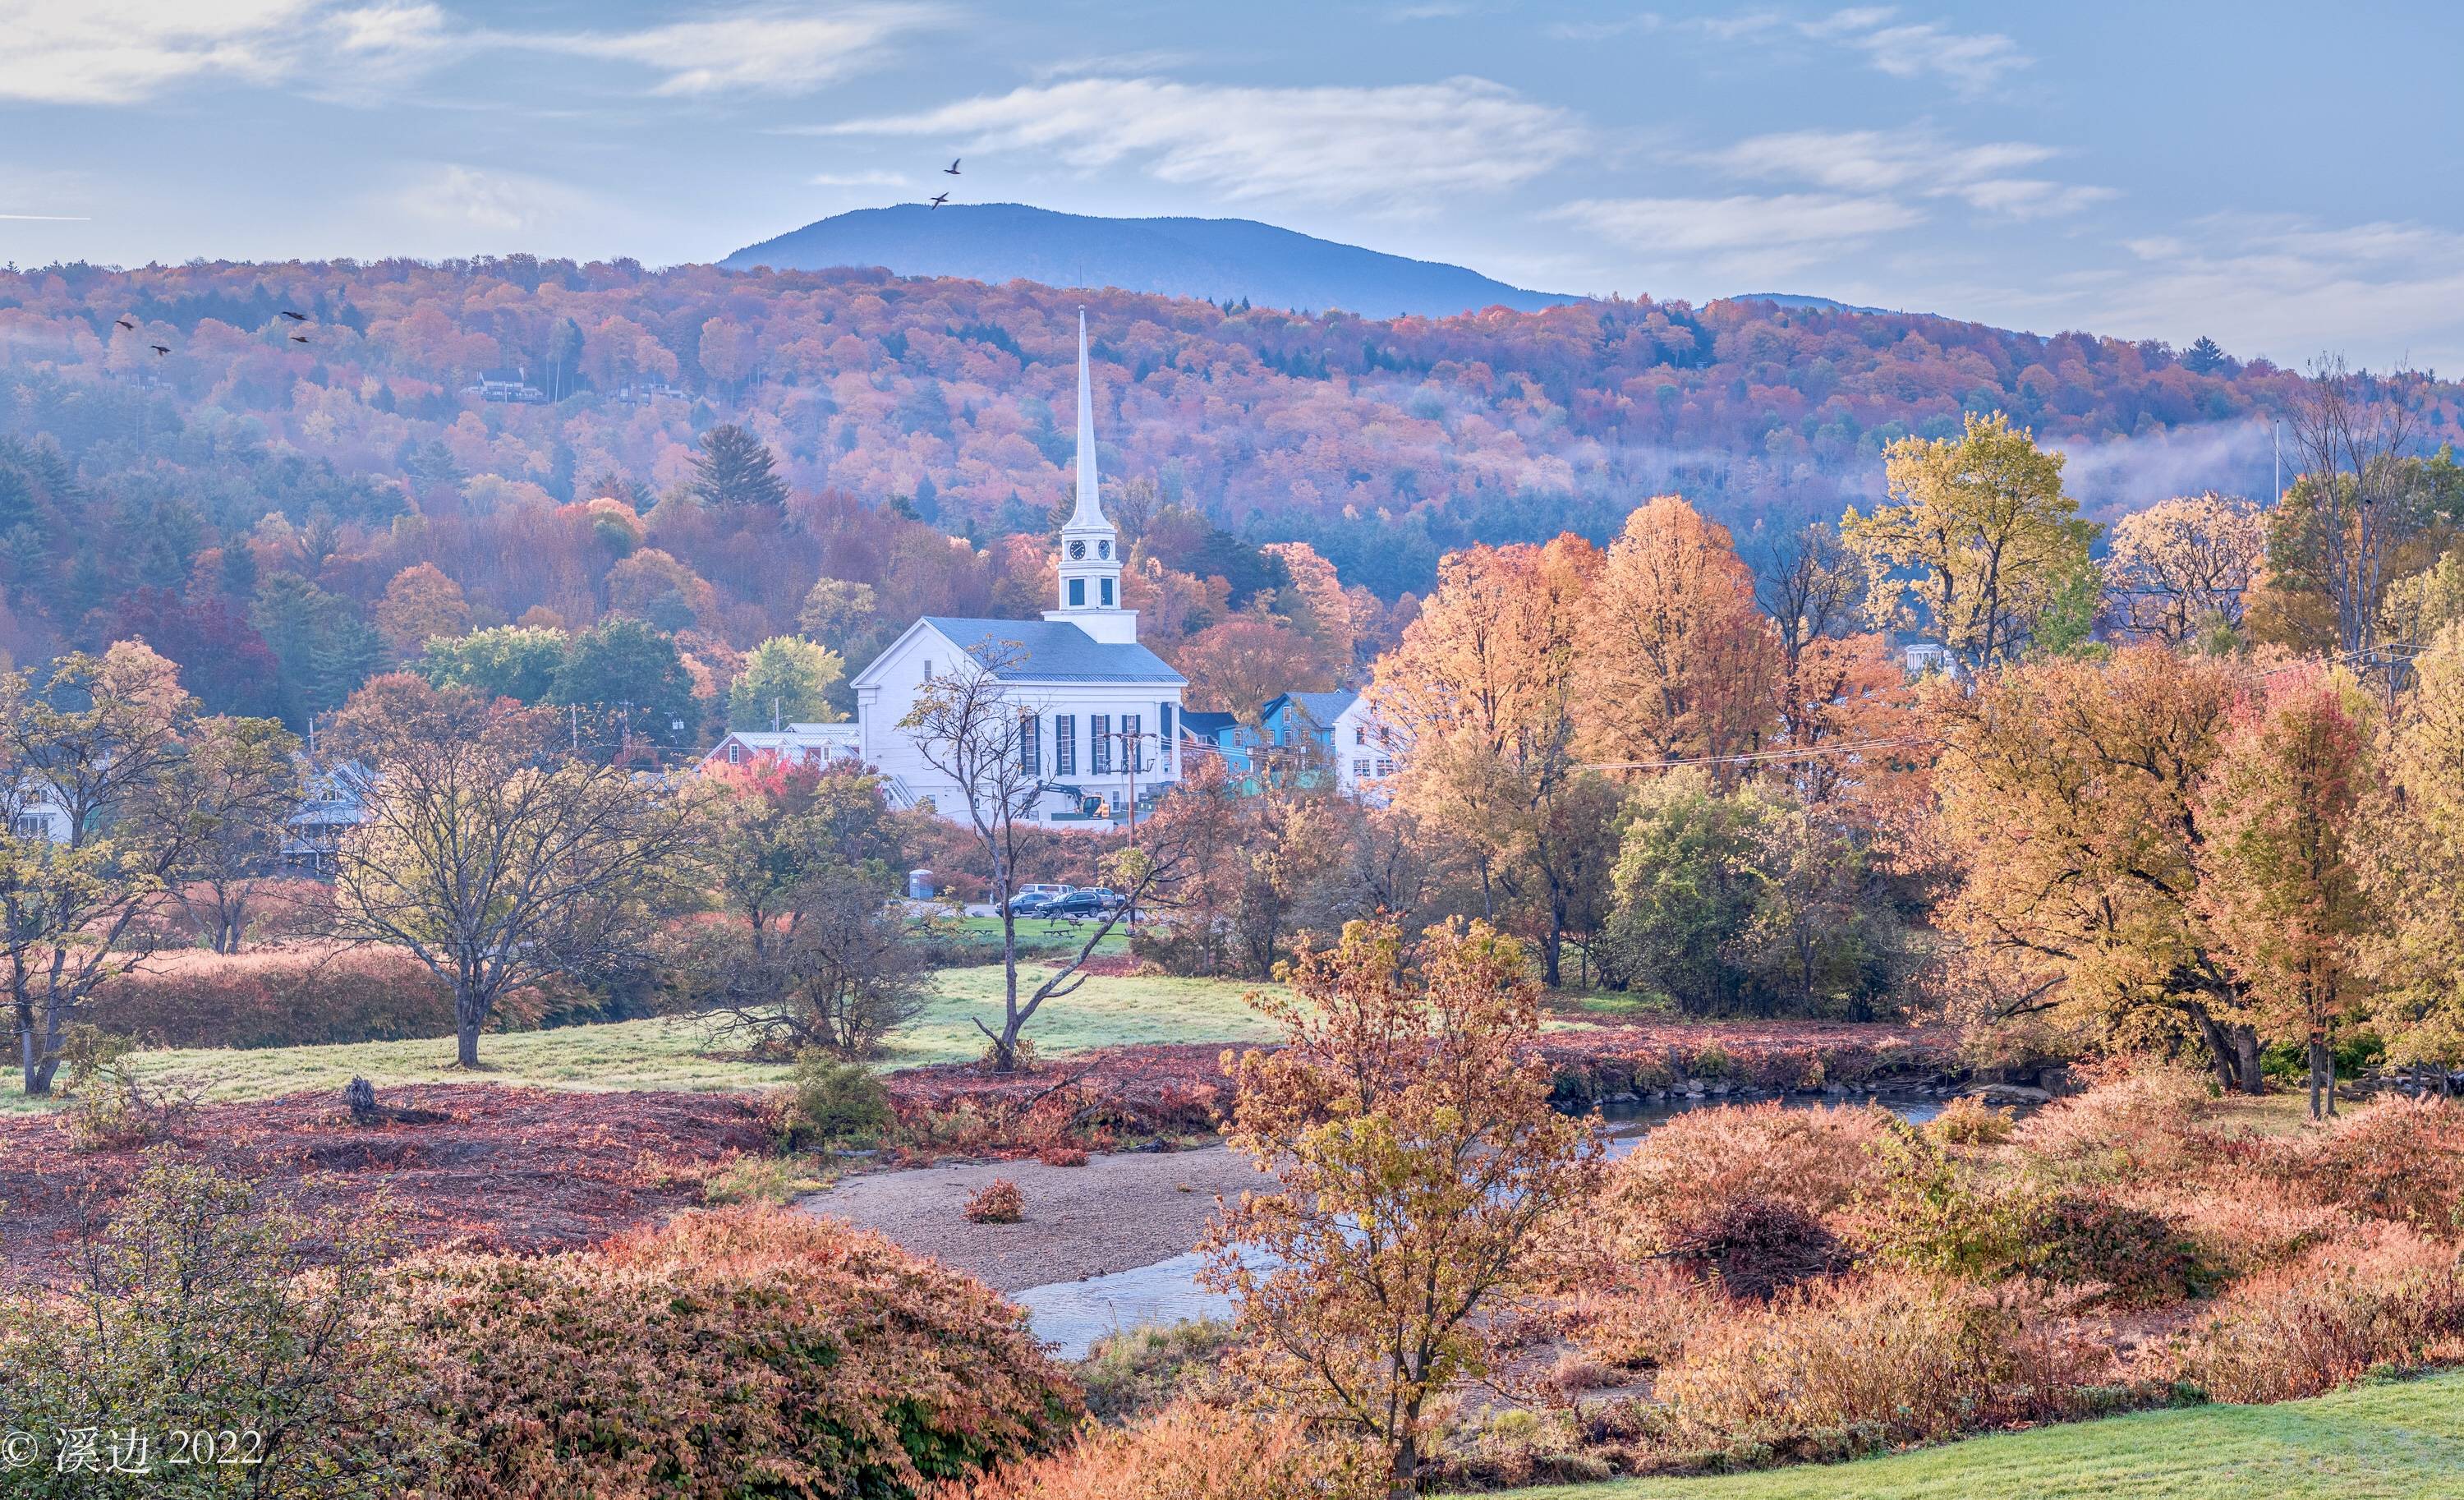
column 1084, row 902
column 1030, row 899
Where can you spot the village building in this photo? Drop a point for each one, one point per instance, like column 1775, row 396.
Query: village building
column 1099, row 713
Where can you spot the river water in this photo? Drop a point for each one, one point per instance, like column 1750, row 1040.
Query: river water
column 1073, row 1315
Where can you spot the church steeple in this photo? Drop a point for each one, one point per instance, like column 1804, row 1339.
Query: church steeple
column 1091, row 549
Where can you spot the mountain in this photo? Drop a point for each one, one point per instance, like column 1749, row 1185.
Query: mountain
column 1797, row 299
column 1218, row 259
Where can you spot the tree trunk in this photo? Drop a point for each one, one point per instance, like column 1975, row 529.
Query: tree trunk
column 2245, row 1040
column 27, row 1051
column 1405, row 1481
column 468, row 1012
column 2221, row 1051
column 2322, row 1078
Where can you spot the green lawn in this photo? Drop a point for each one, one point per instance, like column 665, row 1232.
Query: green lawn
column 669, row 1052
column 2376, row 1441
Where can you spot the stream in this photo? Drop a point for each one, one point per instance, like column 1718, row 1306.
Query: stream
column 1073, row 1315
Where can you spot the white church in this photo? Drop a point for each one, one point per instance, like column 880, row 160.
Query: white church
column 1100, row 714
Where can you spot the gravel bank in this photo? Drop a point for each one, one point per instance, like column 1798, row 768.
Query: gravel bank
column 1113, row 1213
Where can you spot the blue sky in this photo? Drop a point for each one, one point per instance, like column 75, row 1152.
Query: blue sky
column 2278, row 176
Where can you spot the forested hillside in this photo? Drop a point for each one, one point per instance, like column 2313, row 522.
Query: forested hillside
column 250, row 495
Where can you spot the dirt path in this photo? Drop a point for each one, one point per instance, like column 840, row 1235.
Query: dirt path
column 1112, row 1214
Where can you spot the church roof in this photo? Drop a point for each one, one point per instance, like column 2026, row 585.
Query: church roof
column 1055, row 650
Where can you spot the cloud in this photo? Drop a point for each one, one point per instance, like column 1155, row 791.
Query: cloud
column 2384, row 291
column 1640, row 22
column 125, row 52
column 780, row 50
column 116, row 52
column 855, row 180
column 1396, row 146
column 1913, row 160
column 1971, row 63
column 48, row 218
column 463, row 209
column 1740, row 223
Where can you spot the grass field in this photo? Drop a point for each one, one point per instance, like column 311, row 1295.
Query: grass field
column 2375, row 1442
column 669, row 1052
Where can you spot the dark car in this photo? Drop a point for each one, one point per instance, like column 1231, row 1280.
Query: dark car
column 1080, row 903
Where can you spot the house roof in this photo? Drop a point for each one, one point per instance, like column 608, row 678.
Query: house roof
column 1204, row 724
column 1055, row 650
column 1322, row 708
column 795, row 736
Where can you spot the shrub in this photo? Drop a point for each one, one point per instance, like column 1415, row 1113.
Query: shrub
column 2144, row 1258
column 1930, row 1214
column 1061, row 1154
column 1839, row 1369
column 996, row 1201
column 1969, row 1121
column 831, row 1102
column 1922, row 1212
column 289, row 996
column 1191, row 1453
column 204, row 1305
column 2401, row 1160
column 2140, row 1126
column 1139, row 1372
column 731, row 1351
column 2396, row 1300
column 1645, row 1317
column 1690, row 1181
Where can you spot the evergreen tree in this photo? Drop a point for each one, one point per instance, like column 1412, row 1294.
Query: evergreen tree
column 2203, row 358
column 736, row 469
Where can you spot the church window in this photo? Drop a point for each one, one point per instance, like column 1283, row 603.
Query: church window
column 1099, row 743
column 1163, row 727
column 1077, row 593
column 1065, row 744
column 1134, row 748
column 1107, row 592
column 1030, row 749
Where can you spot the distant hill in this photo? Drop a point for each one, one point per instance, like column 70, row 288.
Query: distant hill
column 1796, row 299
column 1218, row 259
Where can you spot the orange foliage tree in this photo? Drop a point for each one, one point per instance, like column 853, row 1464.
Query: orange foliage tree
column 2281, row 865
column 1482, row 693
column 1679, row 662
column 1419, row 1167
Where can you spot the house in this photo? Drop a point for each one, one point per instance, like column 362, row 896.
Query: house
column 1099, row 713
column 516, row 388
column 1341, row 728
column 37, row 813
column 797, row 745
column 335, row 802
column 1918, row 658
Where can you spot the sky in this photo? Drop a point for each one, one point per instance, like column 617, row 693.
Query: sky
column 2280, row 177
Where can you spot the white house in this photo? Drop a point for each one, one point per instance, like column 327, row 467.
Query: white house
column 1341, row 725
column 1103, row 710
column 797, row 745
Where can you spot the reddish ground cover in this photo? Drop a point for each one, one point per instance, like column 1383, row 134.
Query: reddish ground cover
column 518, row 1169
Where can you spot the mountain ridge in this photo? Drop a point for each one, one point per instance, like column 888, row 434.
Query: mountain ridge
column 1221, row 260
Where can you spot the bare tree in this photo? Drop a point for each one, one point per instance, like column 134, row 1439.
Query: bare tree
column 490, row 855
column 1811, row 586
column 838, row 973
column 234, row 786
column 966, row 727
column 2353, row 428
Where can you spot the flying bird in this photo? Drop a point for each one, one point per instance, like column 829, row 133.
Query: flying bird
column 941, row 200
column 126, row 323
column 297, row 318
column 160, row 348
column 953, row 169
column 298, row 337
